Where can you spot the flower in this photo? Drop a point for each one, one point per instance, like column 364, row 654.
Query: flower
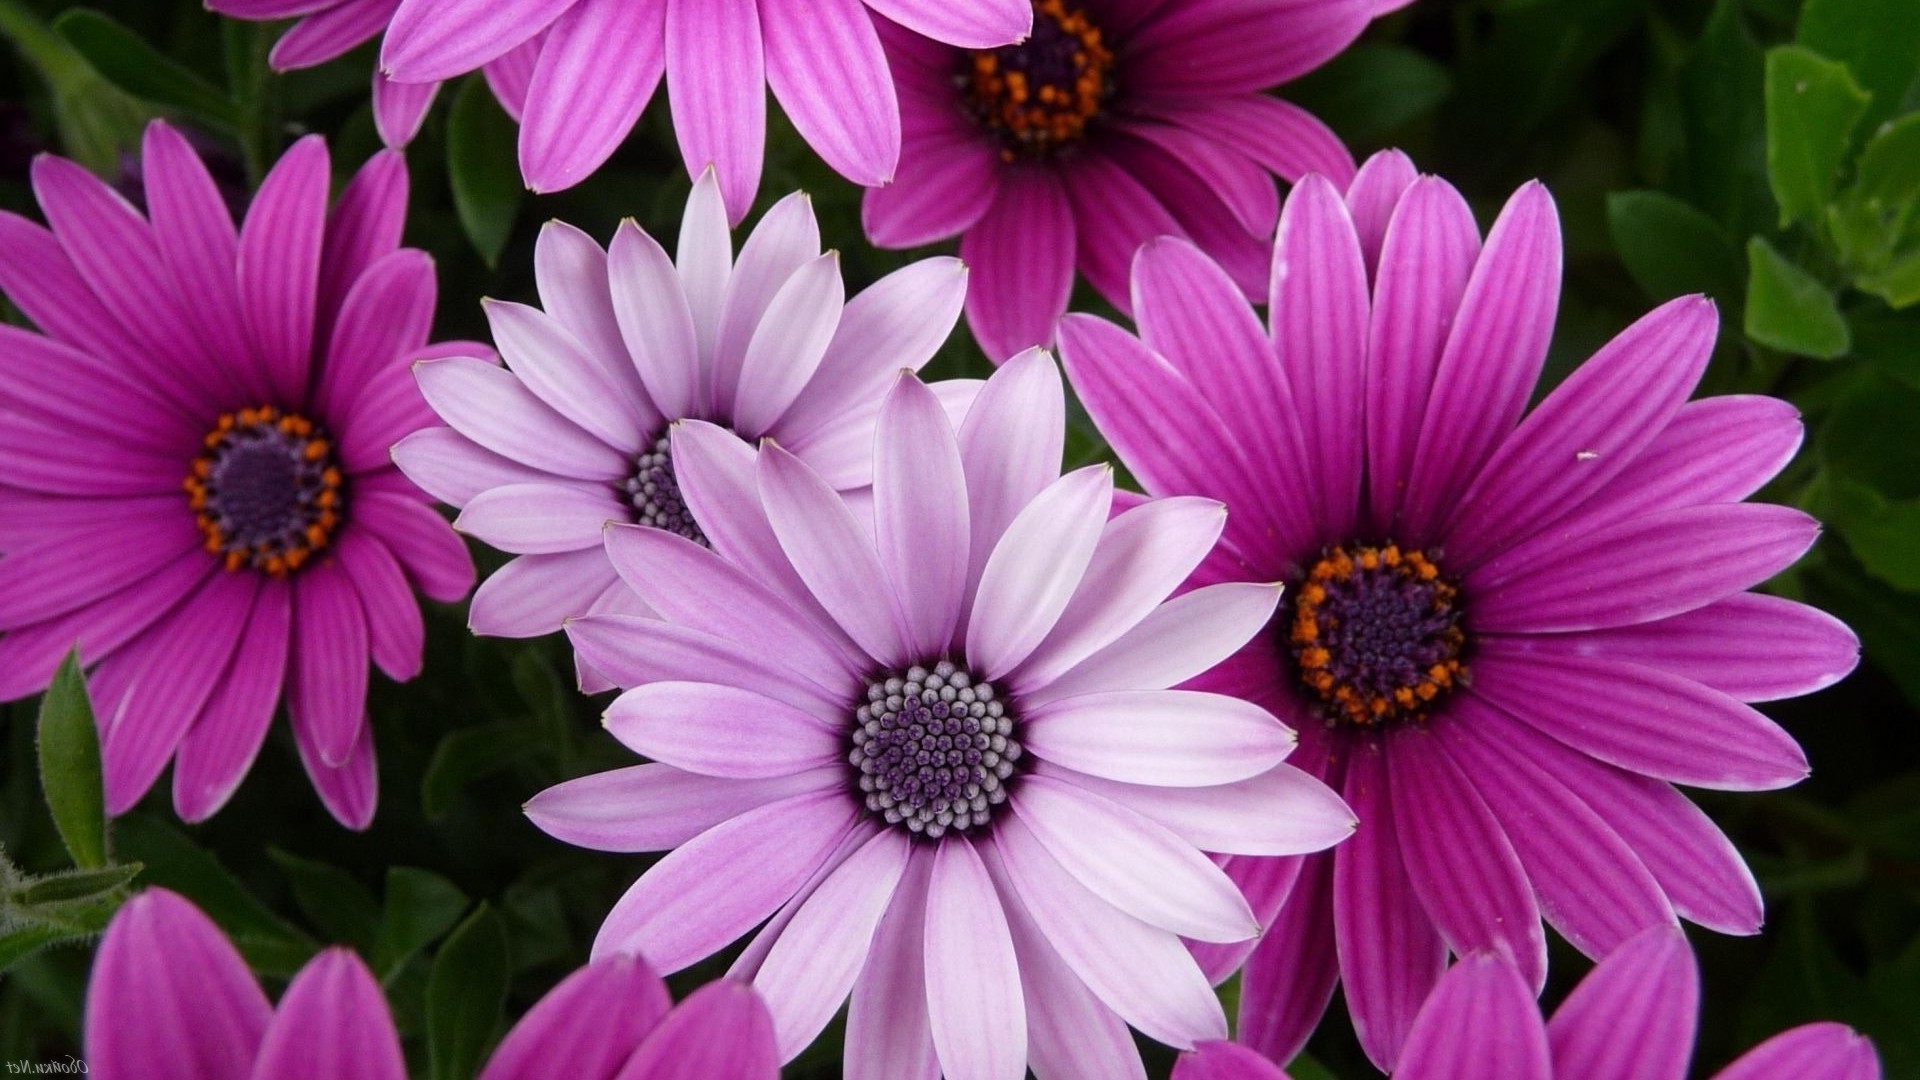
column 938, row 758
column 197, row 489
column 170, row 995
column 600, row 61
column 326, row 29
column 1510, row 633
column 1117, row 121
column 574, row 435
column 1631, row 1018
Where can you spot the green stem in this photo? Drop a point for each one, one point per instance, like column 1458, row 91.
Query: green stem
column 37, row 41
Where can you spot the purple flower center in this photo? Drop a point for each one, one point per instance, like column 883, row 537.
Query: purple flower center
column 933, row 750
column 266, row 491
column 1040, row 94
column 655, row 493
column 1376, row 635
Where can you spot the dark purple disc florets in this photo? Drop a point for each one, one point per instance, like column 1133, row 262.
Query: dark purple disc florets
column 933, row 750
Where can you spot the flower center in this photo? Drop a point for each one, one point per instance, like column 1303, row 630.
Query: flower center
column 934, row 750
column 1039, row 95
column 655, row 493
column 1376, row 634
column 265, row 490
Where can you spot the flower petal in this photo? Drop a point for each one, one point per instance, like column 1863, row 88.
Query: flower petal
column 888, row 1032
column 653, row 807
column 921, row 514
column 656, row 319
column 721, row 731
column 585, row 1027
column 721, row 1032
column 1035, row 569
column 332, row 1021
column 1164, row 738
column 278, row 265
column 491, row 406
column 1809, row 1052
column 716, row 79
column 1481, row 1021
column 832, row 552
column 1633, row 1016
column 975, row 1006
column 825, row 65
column 1021, row 252
column 582, row 102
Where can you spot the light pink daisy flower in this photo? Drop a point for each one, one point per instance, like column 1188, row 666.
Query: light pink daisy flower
column 573, row 433
column 327, row 29
column 1115, row 122
column 1511, row 632
column 931, row 747
column 198, row 493
column 171, row 999
column 1631, row 1018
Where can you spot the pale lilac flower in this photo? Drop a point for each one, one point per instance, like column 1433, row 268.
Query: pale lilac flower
column 198, row 493
column 1115, row 122
column 931, row 747
column 171, row 999
column 573, row 434
column 1631, row 1018
column 327, row 29
column 1511, row 632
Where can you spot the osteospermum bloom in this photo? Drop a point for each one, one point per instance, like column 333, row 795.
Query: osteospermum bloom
column 602, row 59
column 573, row 434
column 170, row 997
column 198, row 493
column 327, row 29
column 938, row 759
column 1115, row 122
column 1510, row 632
column 1631, row 1018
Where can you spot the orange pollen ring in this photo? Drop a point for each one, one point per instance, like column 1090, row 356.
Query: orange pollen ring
column 266, row 491
column 1040, row 94
column 1376, row 635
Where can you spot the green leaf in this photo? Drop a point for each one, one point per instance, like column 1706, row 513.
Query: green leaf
column 70, row 765
column 1722, row 92
column 1373, row 89
column 1867, row 437
column 1883, row 533
column 1890, row 342
column 1787, row 308
column 138, row 68
column 96, row 119
column 468, row 755
column 1889, row 171
column 75, row 885
column 23, row 941
column 420, row 906
column 1878, row 40
column 465, row 994
column 333, row 900
column 483, row 166
column 1813, row 106
column 271, row 946
column 1672, row 249
column 1898, row 284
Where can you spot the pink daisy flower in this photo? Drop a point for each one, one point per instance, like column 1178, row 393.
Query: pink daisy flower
column 1115, row 122
column 1631, row 1018
column 600, row 61
column 1510, row 632
column 198, row 492
column 573, row 434
column 327, row 29
column 171, row 999
column 932, row 749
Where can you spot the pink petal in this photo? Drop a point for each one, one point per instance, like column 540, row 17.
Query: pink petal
column 365, row 224
column 1225, row 1061
column 400, row 108
column 1021, row 252
column 396, row 634
column 278, row 265
column 1290, row 977
column 825, row 66
column 1071, row 1034
column 1163, row 738
column 786, row 239
column 920, row 514
column 170, row 998
column 721, row 731
column 595, row 74
column 1641, row 719
column 1247, row 45
column 699, row 899
column 491, row 406
column 1809, row 1052
column 1283, row 811
column 220, row 747
column 327, row 691
column 1373, row 195
column 1010, row 448
column 817, row 957
column 349, row 791
column 832, row 552
column 1035, row 569
column 1391, row 954
column 716, row 79
column 452, row 469
column 1749, row 646
column 574, row 280
column 1480, row 1022
column 332, row 1022
column 974, row 1002
column 656, row 320
column 969, row 24
column 1632, row 1017
column 888, row 1031
column 586, row 1027
column 1462, row 866
column 1277, row 135
column 652, row 807
column 556, row 366
column 787, row 346
column 1179, row 640
column 1114, row 214
column 721, row 1032
column 195, row 234
column 633, row 650
column 948, row 177
column 438, row 39
column 322, row 36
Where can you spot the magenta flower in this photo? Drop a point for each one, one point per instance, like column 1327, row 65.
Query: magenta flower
column 171, row 999
column 1117, row 121
column 198, row 492
column 328, row 29
column 1510, row 634
column 585, row 84
column 932, row 748
column 574, row 435
column 1631, row 1018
